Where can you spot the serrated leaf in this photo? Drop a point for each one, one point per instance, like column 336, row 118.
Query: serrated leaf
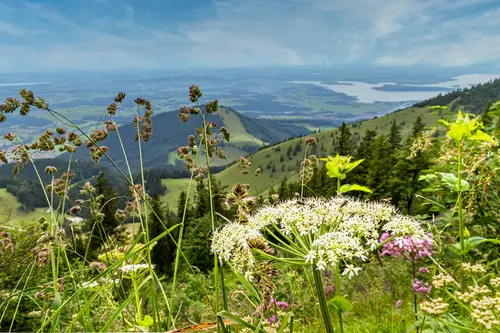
column 341, row 303
column 354, row 187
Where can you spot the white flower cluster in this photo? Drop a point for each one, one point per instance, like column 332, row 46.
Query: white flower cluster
column 326, row 230
column 483, row 311
column 434, row 307
column 440, row 280
column 231, row 244
column 125, row 269
column 473, row 269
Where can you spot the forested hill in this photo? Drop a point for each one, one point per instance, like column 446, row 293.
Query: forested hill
column 283, row 160
column 474, row 99
column 247, row 136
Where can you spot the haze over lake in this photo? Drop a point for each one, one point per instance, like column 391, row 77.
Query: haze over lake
column 368, row 92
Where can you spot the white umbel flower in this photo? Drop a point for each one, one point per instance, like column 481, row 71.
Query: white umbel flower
column 324, row 232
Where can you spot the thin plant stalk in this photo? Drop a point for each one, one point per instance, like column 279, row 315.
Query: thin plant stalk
column 461, row 225
column 178, row 249
column 337, row 293
column 320, row 292
column 212, row 215
column 415, row 306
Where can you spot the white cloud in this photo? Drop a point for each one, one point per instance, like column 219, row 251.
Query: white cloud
column 260, row 32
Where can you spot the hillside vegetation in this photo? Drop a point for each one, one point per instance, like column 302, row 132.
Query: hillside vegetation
column 168, row 134
column 396, row 232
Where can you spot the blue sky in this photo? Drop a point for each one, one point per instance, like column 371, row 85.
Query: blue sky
column 147, row 34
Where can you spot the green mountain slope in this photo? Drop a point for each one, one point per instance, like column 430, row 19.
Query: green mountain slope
column 474, row 99
column 169, row 133
column 272, row 156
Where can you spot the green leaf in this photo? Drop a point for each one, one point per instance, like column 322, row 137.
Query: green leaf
column 481, row 136
column 414, row 326
column 146, row 322
column 474, row 242
column 57, row 301
column 451, row 180
column 354, row 187
column 238, row 320
column 248, row 285
column 341, row 303
column 352, row 165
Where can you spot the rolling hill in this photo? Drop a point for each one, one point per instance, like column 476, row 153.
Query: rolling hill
column 247, row 136
column 474, row 100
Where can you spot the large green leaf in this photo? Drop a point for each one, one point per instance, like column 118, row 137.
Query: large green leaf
column 354, row 187
column 474, row 242
column 451, row 181
column 341, row 303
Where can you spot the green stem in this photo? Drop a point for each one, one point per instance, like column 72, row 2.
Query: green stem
column 337, row 293
column 415, row 308
column 461, row 225
column 212, row 216
column 320, row 292
column 178, row 252
column 302, row 178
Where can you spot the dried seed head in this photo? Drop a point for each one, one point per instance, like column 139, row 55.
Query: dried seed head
column 112, row 109
column 184, row 114
column 310, row 141
column 3, row 156
column 140, row 101
column 194, row 93
column 212, row 106
column 27, row 95
column 110, row 125
column 120, row 97
column 120, row 215
column 60, row 131
column 10, row 136
column 75, row 209
column 11, row 105
column 50, row 170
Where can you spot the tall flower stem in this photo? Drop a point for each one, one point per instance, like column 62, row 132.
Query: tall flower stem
column 320, row 292
column 337, row 293
column 302, row 178
column 415, row 308
column 461, row 225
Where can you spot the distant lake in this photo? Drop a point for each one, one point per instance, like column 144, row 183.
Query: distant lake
column 392, row 92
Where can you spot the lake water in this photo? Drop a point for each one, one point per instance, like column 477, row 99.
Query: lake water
column 365, row 92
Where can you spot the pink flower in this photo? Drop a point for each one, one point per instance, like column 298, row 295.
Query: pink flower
column 414, row 248
column 424, row 270
column 399, row 303
column 421, row 287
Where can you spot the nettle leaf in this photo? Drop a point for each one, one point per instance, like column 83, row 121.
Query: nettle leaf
column 354, row 187
column 341, row 303
column 451, row 180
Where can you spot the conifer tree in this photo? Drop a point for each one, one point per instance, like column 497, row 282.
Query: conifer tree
column 162, row 253
column 395, row 135
column 407, row 170
column 343, row 144
column 181, row 202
